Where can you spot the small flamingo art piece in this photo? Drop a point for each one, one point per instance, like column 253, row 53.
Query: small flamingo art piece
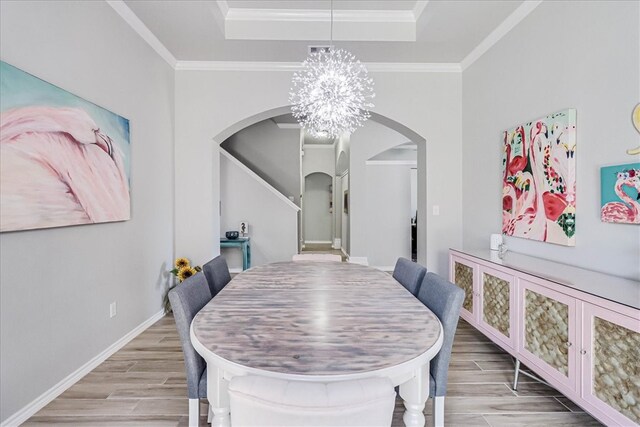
column 539, row 179
column 620, row 194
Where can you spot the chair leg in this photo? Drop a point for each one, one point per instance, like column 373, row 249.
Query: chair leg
column 210, row 416
column 438, row 411
column 194, row 412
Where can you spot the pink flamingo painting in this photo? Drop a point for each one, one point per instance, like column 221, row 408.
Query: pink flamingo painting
column 628, row 210
column 57, row 168
column 538, row 193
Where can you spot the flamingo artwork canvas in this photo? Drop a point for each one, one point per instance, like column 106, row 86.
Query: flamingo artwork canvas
column 620, row 193
column 63, row 160
column 539, row 179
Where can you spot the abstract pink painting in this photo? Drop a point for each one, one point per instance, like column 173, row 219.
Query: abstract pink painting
column 63, row 160
column 539, row 179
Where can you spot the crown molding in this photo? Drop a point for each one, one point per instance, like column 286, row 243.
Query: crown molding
column 223, row 6
column 373, row 67
column 319, row 15
column 501, row 30
column 391, row 162
column 138, row 26
column 287, row 125
column 419, row 8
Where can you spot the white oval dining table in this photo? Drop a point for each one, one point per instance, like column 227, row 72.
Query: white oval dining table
column 317, row 321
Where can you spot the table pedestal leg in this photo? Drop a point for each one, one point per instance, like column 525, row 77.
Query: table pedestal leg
column 415, row 393
column 218, row 396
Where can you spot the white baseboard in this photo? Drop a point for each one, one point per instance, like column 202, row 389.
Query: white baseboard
column 346, row 255
column 235, row 270
column 317, row 242
column 337, row 243
column 385, row 268
column 358, row 260
column 44, row 399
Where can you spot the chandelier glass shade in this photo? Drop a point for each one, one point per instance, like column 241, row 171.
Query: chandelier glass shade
column 332, row 93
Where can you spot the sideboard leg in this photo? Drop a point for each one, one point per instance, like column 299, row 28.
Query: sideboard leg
column 515, row 376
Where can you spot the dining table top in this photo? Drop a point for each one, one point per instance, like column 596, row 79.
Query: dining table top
column 316, row 318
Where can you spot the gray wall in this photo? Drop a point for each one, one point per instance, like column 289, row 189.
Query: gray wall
column 582, row 55
column 271, row 152
column 317, row 217
column 272, row 222
column 389, row 213
column 428, row 103
column 56, row 284
column 366, row 142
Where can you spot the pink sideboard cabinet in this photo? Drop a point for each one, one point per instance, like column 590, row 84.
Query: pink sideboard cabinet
column 577, row 329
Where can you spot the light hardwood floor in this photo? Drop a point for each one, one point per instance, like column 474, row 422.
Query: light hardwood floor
column 144, row 384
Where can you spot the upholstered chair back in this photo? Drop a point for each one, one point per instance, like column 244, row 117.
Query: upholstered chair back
column 409, row 274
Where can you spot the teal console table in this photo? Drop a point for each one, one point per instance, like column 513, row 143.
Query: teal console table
column 244, row 243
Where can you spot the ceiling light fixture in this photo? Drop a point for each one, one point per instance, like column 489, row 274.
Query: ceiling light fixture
column 332, row 93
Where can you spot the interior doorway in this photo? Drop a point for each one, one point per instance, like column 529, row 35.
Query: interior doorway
column 317, row 209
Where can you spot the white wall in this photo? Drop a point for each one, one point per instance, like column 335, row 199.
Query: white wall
column 318, row 158
column 56, row 284
column 209, row 102
column 271, row 152
column 317, row 214
column 388, row 218
column 372, row 139
column 582, row 55
column 272, row 223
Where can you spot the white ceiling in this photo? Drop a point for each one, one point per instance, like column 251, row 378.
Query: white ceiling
column 434, row 31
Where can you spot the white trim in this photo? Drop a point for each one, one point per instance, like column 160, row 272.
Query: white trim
column 385, row 268
column 318, row 146
column 362, row 260
column 138, row 26
column 374, row 67
column 224, row 7
column 391, row 162
column 287, row 125
column 257, row 178
column 500, row 31
column 319, row 15
column 235, row 270
column 44, row 399
column 337, row 244
column 346, row 255
column 419, row 8
column 317, row 242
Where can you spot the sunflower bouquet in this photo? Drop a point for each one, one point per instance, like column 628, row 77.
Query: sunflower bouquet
column 182, row 271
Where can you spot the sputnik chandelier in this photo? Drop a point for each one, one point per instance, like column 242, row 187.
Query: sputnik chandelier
column 332, row 93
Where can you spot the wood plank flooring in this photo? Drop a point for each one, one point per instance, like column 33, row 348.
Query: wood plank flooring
column 144, row 384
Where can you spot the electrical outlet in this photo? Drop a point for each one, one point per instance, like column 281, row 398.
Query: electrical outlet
column 112, row 309
column 436, row 210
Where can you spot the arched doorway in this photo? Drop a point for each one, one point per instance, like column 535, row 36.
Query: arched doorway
column 350, row 223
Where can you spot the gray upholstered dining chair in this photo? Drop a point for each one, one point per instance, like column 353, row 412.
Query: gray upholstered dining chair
column 261, row 401
column 444, row 299
column 217, row 273
column 409, row 274
column 187, row 299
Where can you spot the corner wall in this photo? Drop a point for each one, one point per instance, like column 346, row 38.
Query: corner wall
column 582, row 55
column 57, row 284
